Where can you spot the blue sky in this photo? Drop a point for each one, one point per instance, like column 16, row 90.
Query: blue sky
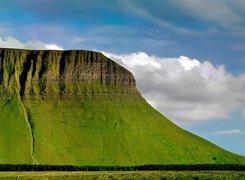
column 211, row 33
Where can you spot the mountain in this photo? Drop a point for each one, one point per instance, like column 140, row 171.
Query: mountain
column 81, row 108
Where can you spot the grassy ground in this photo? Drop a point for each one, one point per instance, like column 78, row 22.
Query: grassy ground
column 115, row 133
column 15, row 140
column 126, row 175
column 101, row 130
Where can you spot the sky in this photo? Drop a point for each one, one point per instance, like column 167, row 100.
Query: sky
column 188, row 56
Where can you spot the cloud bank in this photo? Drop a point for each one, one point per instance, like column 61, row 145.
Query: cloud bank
column 11, row 42
column 184, row 89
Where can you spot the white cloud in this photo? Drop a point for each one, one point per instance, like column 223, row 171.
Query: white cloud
column 223, row 12
column 185, row 90
column 156, row 18
column 53, row 46
column 230, row 132
column 187, row 63
column 11, row 42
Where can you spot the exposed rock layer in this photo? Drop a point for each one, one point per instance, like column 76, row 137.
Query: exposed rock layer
column 45, row 71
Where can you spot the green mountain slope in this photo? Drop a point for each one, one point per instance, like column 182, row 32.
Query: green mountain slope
column 81, row 108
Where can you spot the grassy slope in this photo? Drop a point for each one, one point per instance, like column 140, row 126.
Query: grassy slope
column 109, row 132
column 15, row 139
column 93, row 131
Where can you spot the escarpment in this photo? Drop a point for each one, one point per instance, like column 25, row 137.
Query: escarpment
column 40, row 72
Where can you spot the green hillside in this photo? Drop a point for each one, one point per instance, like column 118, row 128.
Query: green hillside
column 81, row 108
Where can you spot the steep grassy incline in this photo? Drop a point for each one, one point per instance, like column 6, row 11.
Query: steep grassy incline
column 81, row 108
column 15, row 135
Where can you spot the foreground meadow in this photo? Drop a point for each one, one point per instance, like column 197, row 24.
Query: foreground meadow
column 125, row 175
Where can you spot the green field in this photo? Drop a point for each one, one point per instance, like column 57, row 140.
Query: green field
column 49, row 115
column 225, row 175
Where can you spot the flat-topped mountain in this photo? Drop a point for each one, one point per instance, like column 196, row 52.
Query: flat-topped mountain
column 43, row 72
column 81, row 108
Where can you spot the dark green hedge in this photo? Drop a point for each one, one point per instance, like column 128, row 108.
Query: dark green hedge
column 170, row 167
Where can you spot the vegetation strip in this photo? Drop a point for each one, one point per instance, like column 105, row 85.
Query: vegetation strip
column 169, row 167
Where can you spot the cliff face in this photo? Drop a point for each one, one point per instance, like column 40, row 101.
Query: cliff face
column 32, row 72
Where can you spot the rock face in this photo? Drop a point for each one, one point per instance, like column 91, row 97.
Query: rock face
column 81, row 108
column 32, row 72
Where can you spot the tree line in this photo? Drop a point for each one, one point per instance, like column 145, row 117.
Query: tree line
column 159, row 167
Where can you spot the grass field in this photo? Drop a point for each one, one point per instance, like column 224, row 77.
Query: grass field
column 225, row 175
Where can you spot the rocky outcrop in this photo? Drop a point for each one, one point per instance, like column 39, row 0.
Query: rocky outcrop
column 34, row 72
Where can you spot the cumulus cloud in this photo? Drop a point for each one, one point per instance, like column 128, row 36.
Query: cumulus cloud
column 184, row 89
column 11, row 42
column 230, row 132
